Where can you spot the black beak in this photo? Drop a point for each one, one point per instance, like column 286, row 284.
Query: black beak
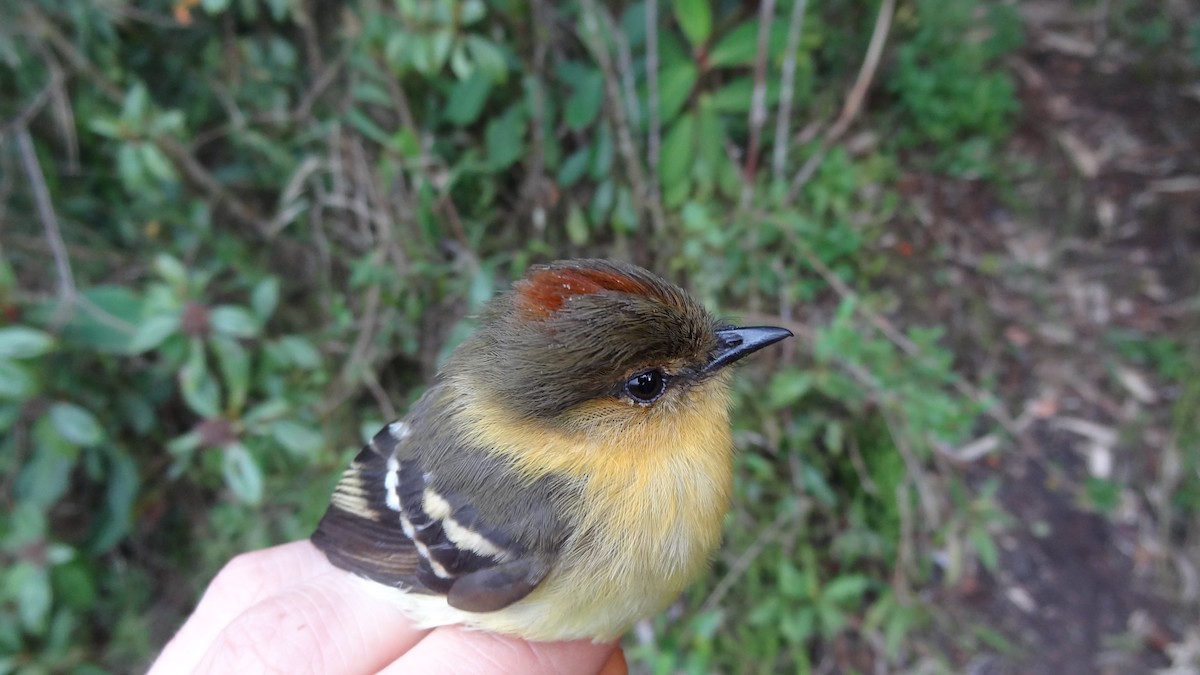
column 739, row 342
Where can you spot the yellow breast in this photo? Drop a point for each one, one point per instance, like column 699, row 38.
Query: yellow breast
column 656, row 487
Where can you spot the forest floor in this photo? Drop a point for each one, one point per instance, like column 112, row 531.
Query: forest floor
column 1080, row 304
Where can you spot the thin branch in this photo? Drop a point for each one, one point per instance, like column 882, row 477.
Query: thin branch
column 880, row 323
column 189, row 166
column 533, row 186
column 653, row 132
column 624, row 66
column 787, row 82
column 301, row 112
column 915, row 473
column 758, row 101
column 768, row 535
column 854, row 100
column 442, row 187
column 45, row 208
column 612, row 92
column 28, row 111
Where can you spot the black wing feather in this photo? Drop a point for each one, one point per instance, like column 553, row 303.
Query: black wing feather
column 377, row 526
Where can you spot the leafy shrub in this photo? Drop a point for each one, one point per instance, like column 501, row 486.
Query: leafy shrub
column 274, row 216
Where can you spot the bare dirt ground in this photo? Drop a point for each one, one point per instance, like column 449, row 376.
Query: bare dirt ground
column 1100, row 239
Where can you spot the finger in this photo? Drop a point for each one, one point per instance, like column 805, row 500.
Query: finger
column 333, row 623
column 615, row 665
column 243, row 582
column 454, row 649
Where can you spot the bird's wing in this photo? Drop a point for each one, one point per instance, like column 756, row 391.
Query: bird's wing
column 388, row 523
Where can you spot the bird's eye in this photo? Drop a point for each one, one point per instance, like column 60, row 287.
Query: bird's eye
column 646, row 386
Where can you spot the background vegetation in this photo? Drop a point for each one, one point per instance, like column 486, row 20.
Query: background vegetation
column 240, row 235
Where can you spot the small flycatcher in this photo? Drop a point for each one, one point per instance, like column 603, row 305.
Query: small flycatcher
column 567, row 473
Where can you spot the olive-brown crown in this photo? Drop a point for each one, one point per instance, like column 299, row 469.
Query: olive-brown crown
column 575, row 331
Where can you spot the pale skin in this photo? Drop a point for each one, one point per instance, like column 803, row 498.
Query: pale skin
column 288, row 610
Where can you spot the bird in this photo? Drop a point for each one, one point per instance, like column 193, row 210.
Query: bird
column 567, row 472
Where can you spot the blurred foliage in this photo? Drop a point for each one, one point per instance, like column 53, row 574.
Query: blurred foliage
column 267, row 223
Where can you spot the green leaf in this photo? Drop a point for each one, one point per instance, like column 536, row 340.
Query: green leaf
column 122, row 484
column 136, row 104
column 156, row 163
column 586, row 99
column 182, row 448
column 734, row 97
column 677, row 149
column 171, row 270
column 467, row 98
column 577, row 226
column 831, row 619
column 505, row 138
column 675, row 85
column 29, row 585
column 739, row 47
column 846, row 589
column 791, row 582
column 695, row 19
column 129, row 167
column 985, row 547
column 151, row 333
column 91, row 324
column 76, row 424
column 602, row 202
column 22, row 342
column 265, row 298
column 367, row 127
column 74, row 587
column 45, row 477
column 430, row 50
column 488, row 58
column 16, row 382
column 265, row 412
column 574, row 167
column 602, row 153
column 833, row 437
column 797, row 627
column 787, row 388
column 198, row 387
column 705, row 625
column 300, row 441
column 710, row 144
column 296, row 351
column 234, row 364
column 233, row 321
column 624, row 217
column 242, row 474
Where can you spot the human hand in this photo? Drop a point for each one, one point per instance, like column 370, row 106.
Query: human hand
column 288, row 610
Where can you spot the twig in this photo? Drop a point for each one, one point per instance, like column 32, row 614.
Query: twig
column 45, row 208
column 28, row 112
column 885, row 327
column 653, row 132
column 854, row 100
column 537, row 118
column 769, row 534
column 787, row 90
column 612, row 92
column 904, row 546
column 302, row 110
column 915, row 473
column 192, row 169
column 624, row 66
column 444, row 203
column 758, row 101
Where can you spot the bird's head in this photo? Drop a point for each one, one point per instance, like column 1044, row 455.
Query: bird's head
column 586, row 344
